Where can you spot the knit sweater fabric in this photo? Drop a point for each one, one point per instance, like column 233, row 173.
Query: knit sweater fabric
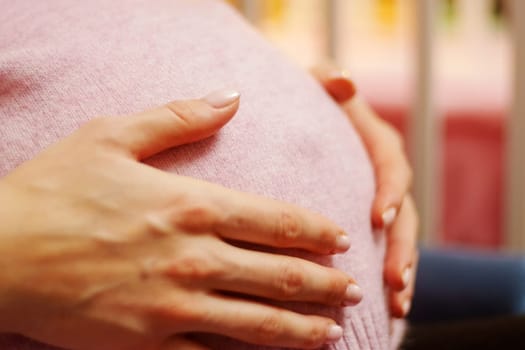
column 63, row 62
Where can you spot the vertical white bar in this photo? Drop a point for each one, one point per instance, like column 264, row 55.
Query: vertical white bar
column 331, row 31
column 252, row 10
column 335, row 21
column 515, row 191
column 424, row 130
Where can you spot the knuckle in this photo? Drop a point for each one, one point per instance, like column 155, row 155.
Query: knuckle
column 157, row 225
column 291, row 280
column 270, row 328
column 197, row 215
column 288, row 228
column 238, row 222
column 105, row 131
column 195, row 265
column 179, row 109
column 185, row 111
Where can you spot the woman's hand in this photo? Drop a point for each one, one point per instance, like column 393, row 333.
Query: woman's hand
column 393, row 208
column 100, row 251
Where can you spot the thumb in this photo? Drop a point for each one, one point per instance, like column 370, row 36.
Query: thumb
column 176, row 123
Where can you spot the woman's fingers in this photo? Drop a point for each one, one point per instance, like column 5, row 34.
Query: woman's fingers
column 385, row 146
column 392, row 209
column 383, row 143
column 264, row 221
column 266, row 325
column 401, row 254
column 394, row 176
column 275, row 277
column 401, row 301
column 250, row 218
column 179, row 122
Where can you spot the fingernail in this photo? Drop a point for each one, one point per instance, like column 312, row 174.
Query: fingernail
column 407, row 274
column 342, row 242
column 222, row 98
column 334, row 333
column 406, row 307
column 389, row 216
column 353, row 295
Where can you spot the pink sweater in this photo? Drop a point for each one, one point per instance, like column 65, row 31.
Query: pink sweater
column 63, row 62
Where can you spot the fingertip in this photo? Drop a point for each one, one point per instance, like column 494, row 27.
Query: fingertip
column 222, row 98
column 400, row 305
column 224, row 104
column 377, row 212
column 342, row 242
column 400, row 299
column 401, row 309
column 377, row 221
column 340, row 87
column 353, row 295
column 406, row 276
column 336, row 82
column 386, row 208
column 394, row 277
column 388, row 216
column 221, row 106
column 405, row 307
column 334, row 332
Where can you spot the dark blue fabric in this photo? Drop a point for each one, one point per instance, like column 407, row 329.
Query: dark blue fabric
column 454, row 284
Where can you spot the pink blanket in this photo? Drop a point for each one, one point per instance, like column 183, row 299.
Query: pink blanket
column 63, row 62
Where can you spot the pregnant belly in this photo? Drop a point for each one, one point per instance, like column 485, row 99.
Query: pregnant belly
column 288, row 140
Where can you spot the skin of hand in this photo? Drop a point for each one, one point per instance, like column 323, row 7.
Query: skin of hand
column 393, row 207
column 101, row 251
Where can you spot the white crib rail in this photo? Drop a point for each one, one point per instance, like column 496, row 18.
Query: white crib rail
column 252, row 10
column 515, row 191
column 424, row 126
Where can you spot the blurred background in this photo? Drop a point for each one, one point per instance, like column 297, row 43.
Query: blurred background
column 444, row 73
column 450, row 76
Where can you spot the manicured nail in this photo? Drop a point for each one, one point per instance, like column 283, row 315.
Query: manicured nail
column 389, row 216
column 342, row 242
column 407, row 275
column 406, row 307
column 222, row 98
column 334, row 333
column 341, row 93
column 353, row 295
